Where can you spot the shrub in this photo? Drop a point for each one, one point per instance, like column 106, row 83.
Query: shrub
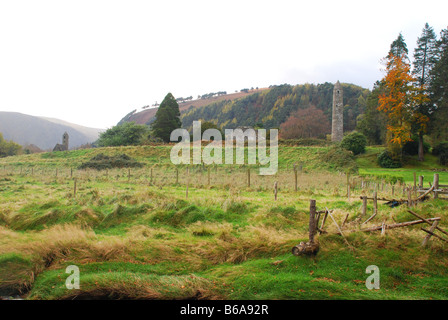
column 355, row 142
column 102, row 162
column 385, row 160
column 340, row 159
column 303, row 142
column 127, row 134
column 441, row 150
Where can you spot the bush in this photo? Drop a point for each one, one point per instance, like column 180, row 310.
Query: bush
column 385, row 160
column 441, row 150
column 102, row 162
column 411, row 147
column 127, row 134
column 340, row 159
column 355, row 142
column 303, row 142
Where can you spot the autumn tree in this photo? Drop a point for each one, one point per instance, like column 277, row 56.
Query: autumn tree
column 305, row 123
column 400, row 99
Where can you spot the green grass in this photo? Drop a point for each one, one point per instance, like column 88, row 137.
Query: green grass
column 368, row 166
column 142, row 238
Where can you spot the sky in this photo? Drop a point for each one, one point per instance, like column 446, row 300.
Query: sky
column 92, row 62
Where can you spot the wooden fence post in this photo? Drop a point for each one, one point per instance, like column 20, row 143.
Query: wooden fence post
column 312, row 225
column 409, row 198
column 188, row 182
column 415, row 183
column 428, row 236
column 420, row 182
column 74, row 188
column 375, row 203
column 364, row 206
column 177, row 175
column 436, row 185
column 348, row 184
column 295, row 178
column 208, row 175
column 248, row 177
column 275, row 190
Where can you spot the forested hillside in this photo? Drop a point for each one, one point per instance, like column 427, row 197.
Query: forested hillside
column 273, row 107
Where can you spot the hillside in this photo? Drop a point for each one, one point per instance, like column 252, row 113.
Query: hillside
column 43, row 132
column 273, row 107
column 146, row 116
column 269, row 107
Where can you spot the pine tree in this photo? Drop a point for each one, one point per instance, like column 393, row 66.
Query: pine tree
column 167, row 118
column 425, row 56
column 399, row 48
column 439, row 90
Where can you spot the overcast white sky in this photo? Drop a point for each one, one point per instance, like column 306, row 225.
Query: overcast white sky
column 91, row 62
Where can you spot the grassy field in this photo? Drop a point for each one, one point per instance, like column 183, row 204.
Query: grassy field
column 138, row 235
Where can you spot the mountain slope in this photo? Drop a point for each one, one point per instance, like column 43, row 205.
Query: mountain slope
column 147, row 116
column 43, row 132
column 273, row 107
column 270, row 107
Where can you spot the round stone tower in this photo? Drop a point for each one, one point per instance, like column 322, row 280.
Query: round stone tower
column 337, row 120
column 65, row 140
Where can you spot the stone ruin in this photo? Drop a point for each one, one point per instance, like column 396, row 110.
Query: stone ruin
column 64, row 145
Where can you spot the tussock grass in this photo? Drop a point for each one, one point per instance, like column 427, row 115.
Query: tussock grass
column 139, row 237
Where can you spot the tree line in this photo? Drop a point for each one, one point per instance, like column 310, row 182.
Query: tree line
column 8, row 148
column 410, row 103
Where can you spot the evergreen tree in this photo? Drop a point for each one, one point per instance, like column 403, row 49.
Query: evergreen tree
column 425, row 56
column 167, row 118
column 439, row 90
column 373, row 122
column 399, row 48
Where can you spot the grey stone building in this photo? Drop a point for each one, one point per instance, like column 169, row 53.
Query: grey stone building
column 64, row 145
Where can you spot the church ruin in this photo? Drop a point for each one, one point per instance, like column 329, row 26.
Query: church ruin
column 337, row 120
column 64, row 145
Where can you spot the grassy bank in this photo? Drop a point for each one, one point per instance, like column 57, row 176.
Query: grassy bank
column 138, row 235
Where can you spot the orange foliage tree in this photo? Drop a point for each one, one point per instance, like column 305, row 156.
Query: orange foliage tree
column 399, row 102
column 305, row 123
